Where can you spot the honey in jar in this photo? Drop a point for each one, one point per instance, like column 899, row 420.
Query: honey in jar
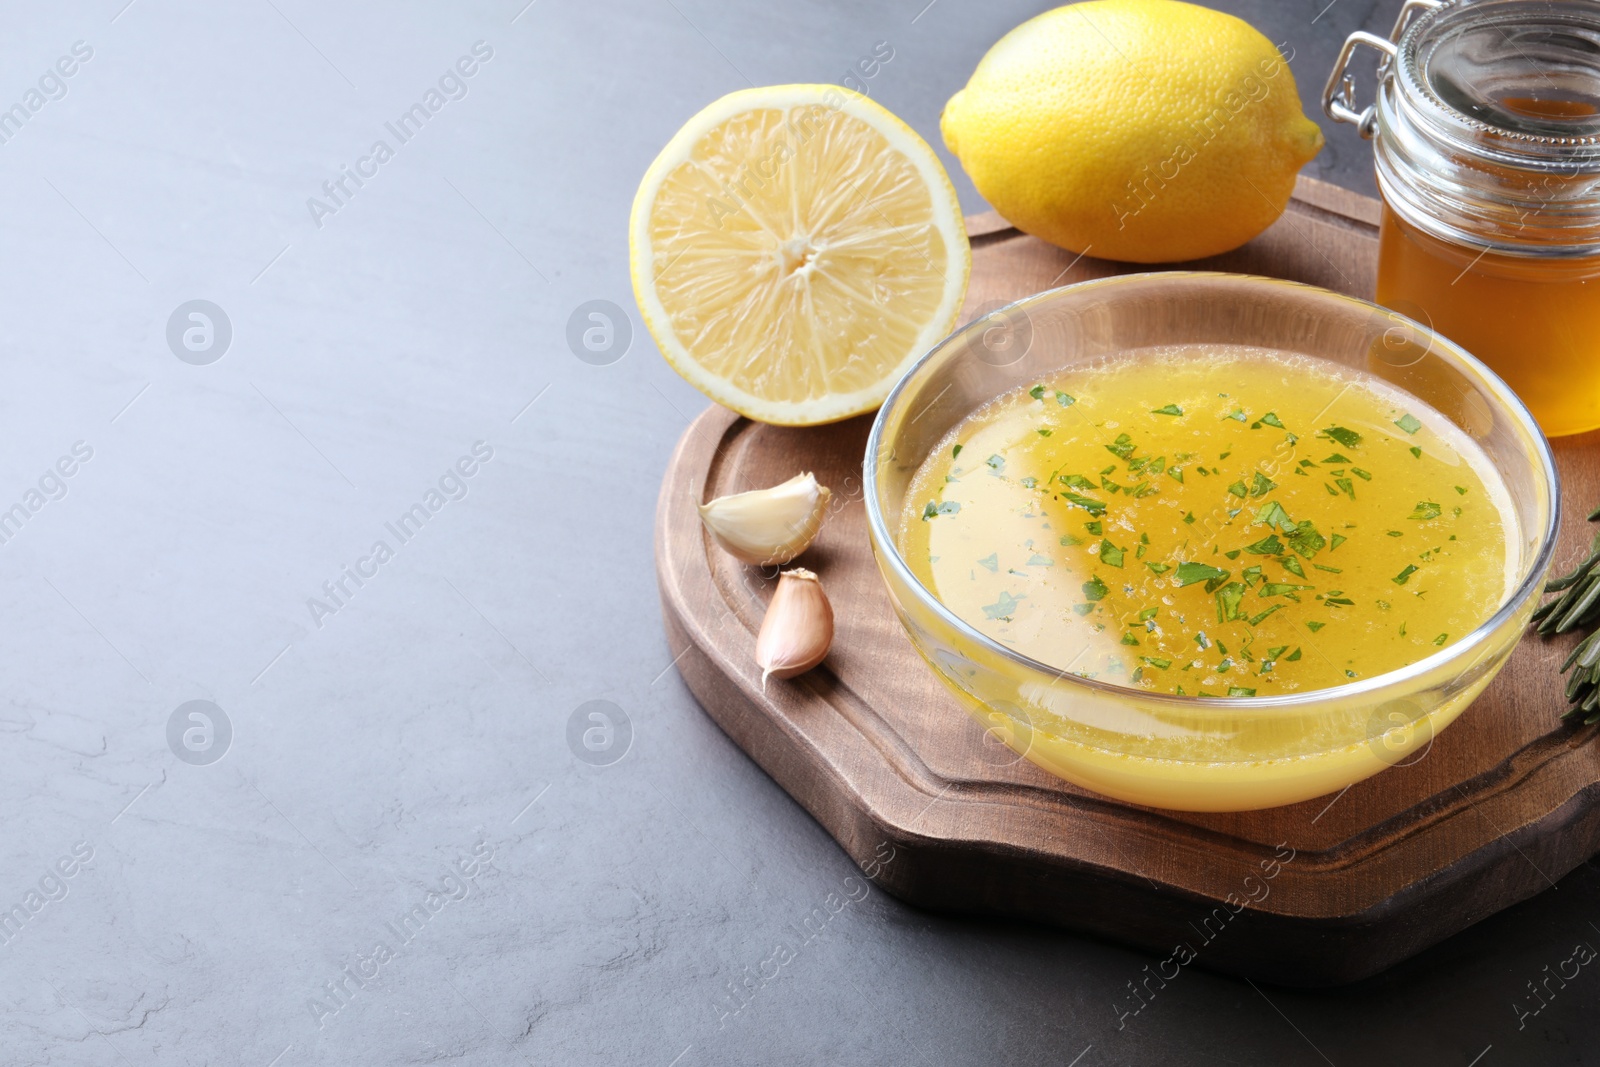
column 1487, row 145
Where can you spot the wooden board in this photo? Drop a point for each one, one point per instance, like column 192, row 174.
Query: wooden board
column 1502, row 804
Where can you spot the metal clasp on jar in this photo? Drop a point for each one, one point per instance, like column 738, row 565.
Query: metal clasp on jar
column 1339, row 95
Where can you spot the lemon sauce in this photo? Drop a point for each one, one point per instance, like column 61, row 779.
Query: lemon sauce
column 1213, row 521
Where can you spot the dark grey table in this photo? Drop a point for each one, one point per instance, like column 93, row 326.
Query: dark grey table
column 274, row 795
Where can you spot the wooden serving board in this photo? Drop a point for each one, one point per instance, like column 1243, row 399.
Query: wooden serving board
column 1502, row 804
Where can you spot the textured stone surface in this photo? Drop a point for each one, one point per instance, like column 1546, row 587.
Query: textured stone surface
column 624, row 910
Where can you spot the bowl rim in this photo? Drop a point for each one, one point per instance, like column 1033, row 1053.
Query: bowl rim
column 1529, row 585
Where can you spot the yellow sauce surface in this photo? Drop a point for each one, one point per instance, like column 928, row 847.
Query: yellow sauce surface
column 1212, row 522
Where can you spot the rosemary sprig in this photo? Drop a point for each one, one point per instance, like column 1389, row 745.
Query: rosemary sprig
column 1578, row 606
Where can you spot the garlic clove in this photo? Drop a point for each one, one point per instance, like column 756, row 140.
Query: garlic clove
column 797, row 629
column 769, row 526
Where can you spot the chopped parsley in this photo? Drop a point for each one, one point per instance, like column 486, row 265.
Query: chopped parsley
column 1424, row 510
column 1003, row 608
column 1305, row 540
column 1272, row 514
column 1347, row 438
column 1267, row 546
column 1190, row 573
column 1089, row 504
column 1229, row 599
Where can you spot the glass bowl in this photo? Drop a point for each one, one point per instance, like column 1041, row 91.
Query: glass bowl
column 1200, row 753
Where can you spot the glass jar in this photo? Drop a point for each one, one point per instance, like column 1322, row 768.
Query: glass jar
column 1486, row 131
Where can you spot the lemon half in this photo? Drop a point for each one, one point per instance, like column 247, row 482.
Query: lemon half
column 794, row 249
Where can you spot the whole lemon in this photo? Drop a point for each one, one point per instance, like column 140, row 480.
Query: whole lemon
column 1142, row 130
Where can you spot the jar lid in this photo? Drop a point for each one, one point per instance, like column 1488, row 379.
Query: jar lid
column 1514, row 78
column 1487, row 121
